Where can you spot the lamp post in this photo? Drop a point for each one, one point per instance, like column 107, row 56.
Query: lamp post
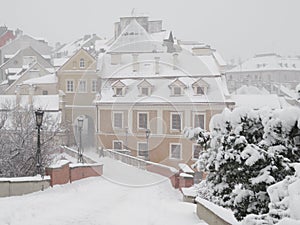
column 147, row 137
column 80, row 150
column 39, row 120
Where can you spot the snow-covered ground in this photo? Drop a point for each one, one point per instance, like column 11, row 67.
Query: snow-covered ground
column 123, row 195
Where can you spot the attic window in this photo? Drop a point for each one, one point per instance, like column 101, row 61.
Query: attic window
column 177, row 90
column 199, row 91
column 200, row 87
column 145, row 91
column 119, row 91
column 81, row 63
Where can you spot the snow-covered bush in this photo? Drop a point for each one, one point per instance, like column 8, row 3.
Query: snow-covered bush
column 246, row 152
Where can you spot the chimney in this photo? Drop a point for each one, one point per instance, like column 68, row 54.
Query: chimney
column 115, row 59
column 156, row 66
column 202, row 50
column 175, row 61
column 135, row 63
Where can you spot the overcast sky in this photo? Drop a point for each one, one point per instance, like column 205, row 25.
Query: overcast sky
column 236, row 28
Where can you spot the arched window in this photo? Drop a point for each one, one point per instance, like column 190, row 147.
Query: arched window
column 81, row 63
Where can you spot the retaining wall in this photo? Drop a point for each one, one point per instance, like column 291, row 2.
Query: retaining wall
column 22, row 185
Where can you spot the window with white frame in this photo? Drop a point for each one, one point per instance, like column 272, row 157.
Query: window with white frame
column 82, row 86
column 142, row 149
column 176, row 121
column 81, row 63
column 175, row 151
column 94, row 86
column 69, row 86
column 196, row 151
column 118, row 119
column 117, row 145
column 142, row 120
column 199, row 120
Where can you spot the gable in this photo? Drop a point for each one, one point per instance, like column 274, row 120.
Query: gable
column 200, row 83
column 74, row 62
column 144, row 83
column 118, row 84
column 177, row 83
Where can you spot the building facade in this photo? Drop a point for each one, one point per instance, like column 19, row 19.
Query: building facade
column 267, row 71
column 152, row 88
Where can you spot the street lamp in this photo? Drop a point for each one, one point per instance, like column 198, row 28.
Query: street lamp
column 80, row 149
column 39, row 120
column 147, row 137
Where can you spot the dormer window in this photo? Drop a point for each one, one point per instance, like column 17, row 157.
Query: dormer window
column 177, row 87
column 177, row 90
column 145, row 88
column 200, row 87
column 118, row 88
column 199, row 91
column 145, row 91
column 119, row 91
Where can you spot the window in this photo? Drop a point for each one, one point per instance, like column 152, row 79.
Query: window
column 199, row 120
column 196, row 151
column 175, row 121
column 200, row 91
column 117, row 145
column 94, row 85
column 142, row 120
column 145, row 91
column 175, row 151
column 142, row 150
column 119, row 91
column 177, row 90
column 118, row 119
column 81, row 63
column 45, row 92
column 82, row 86
column 70, row 86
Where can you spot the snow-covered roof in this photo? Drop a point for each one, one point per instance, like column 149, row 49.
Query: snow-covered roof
column 58, row 62
column 71, row 48
column 161, row 93
column 257, row 101
column 45, row 102
column 134, row 38
column 187, row 65
column 266, row 62
column 46, row 79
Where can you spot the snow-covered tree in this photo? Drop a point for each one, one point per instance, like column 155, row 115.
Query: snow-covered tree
column 18, row 140
column 247, row 151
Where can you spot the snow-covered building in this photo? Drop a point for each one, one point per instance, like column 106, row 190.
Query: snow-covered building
column 77, row 83
column 6, row 35
column 87, row 42
column 265, row 70
column 24, row 41
column 152, row 81
column 19, row 62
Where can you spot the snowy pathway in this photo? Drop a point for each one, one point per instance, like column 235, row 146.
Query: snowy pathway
column 124, row 195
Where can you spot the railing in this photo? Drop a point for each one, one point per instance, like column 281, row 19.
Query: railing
column 125, row 158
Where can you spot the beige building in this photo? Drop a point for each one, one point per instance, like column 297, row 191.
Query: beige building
column 77, row 81
column 153, row 82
